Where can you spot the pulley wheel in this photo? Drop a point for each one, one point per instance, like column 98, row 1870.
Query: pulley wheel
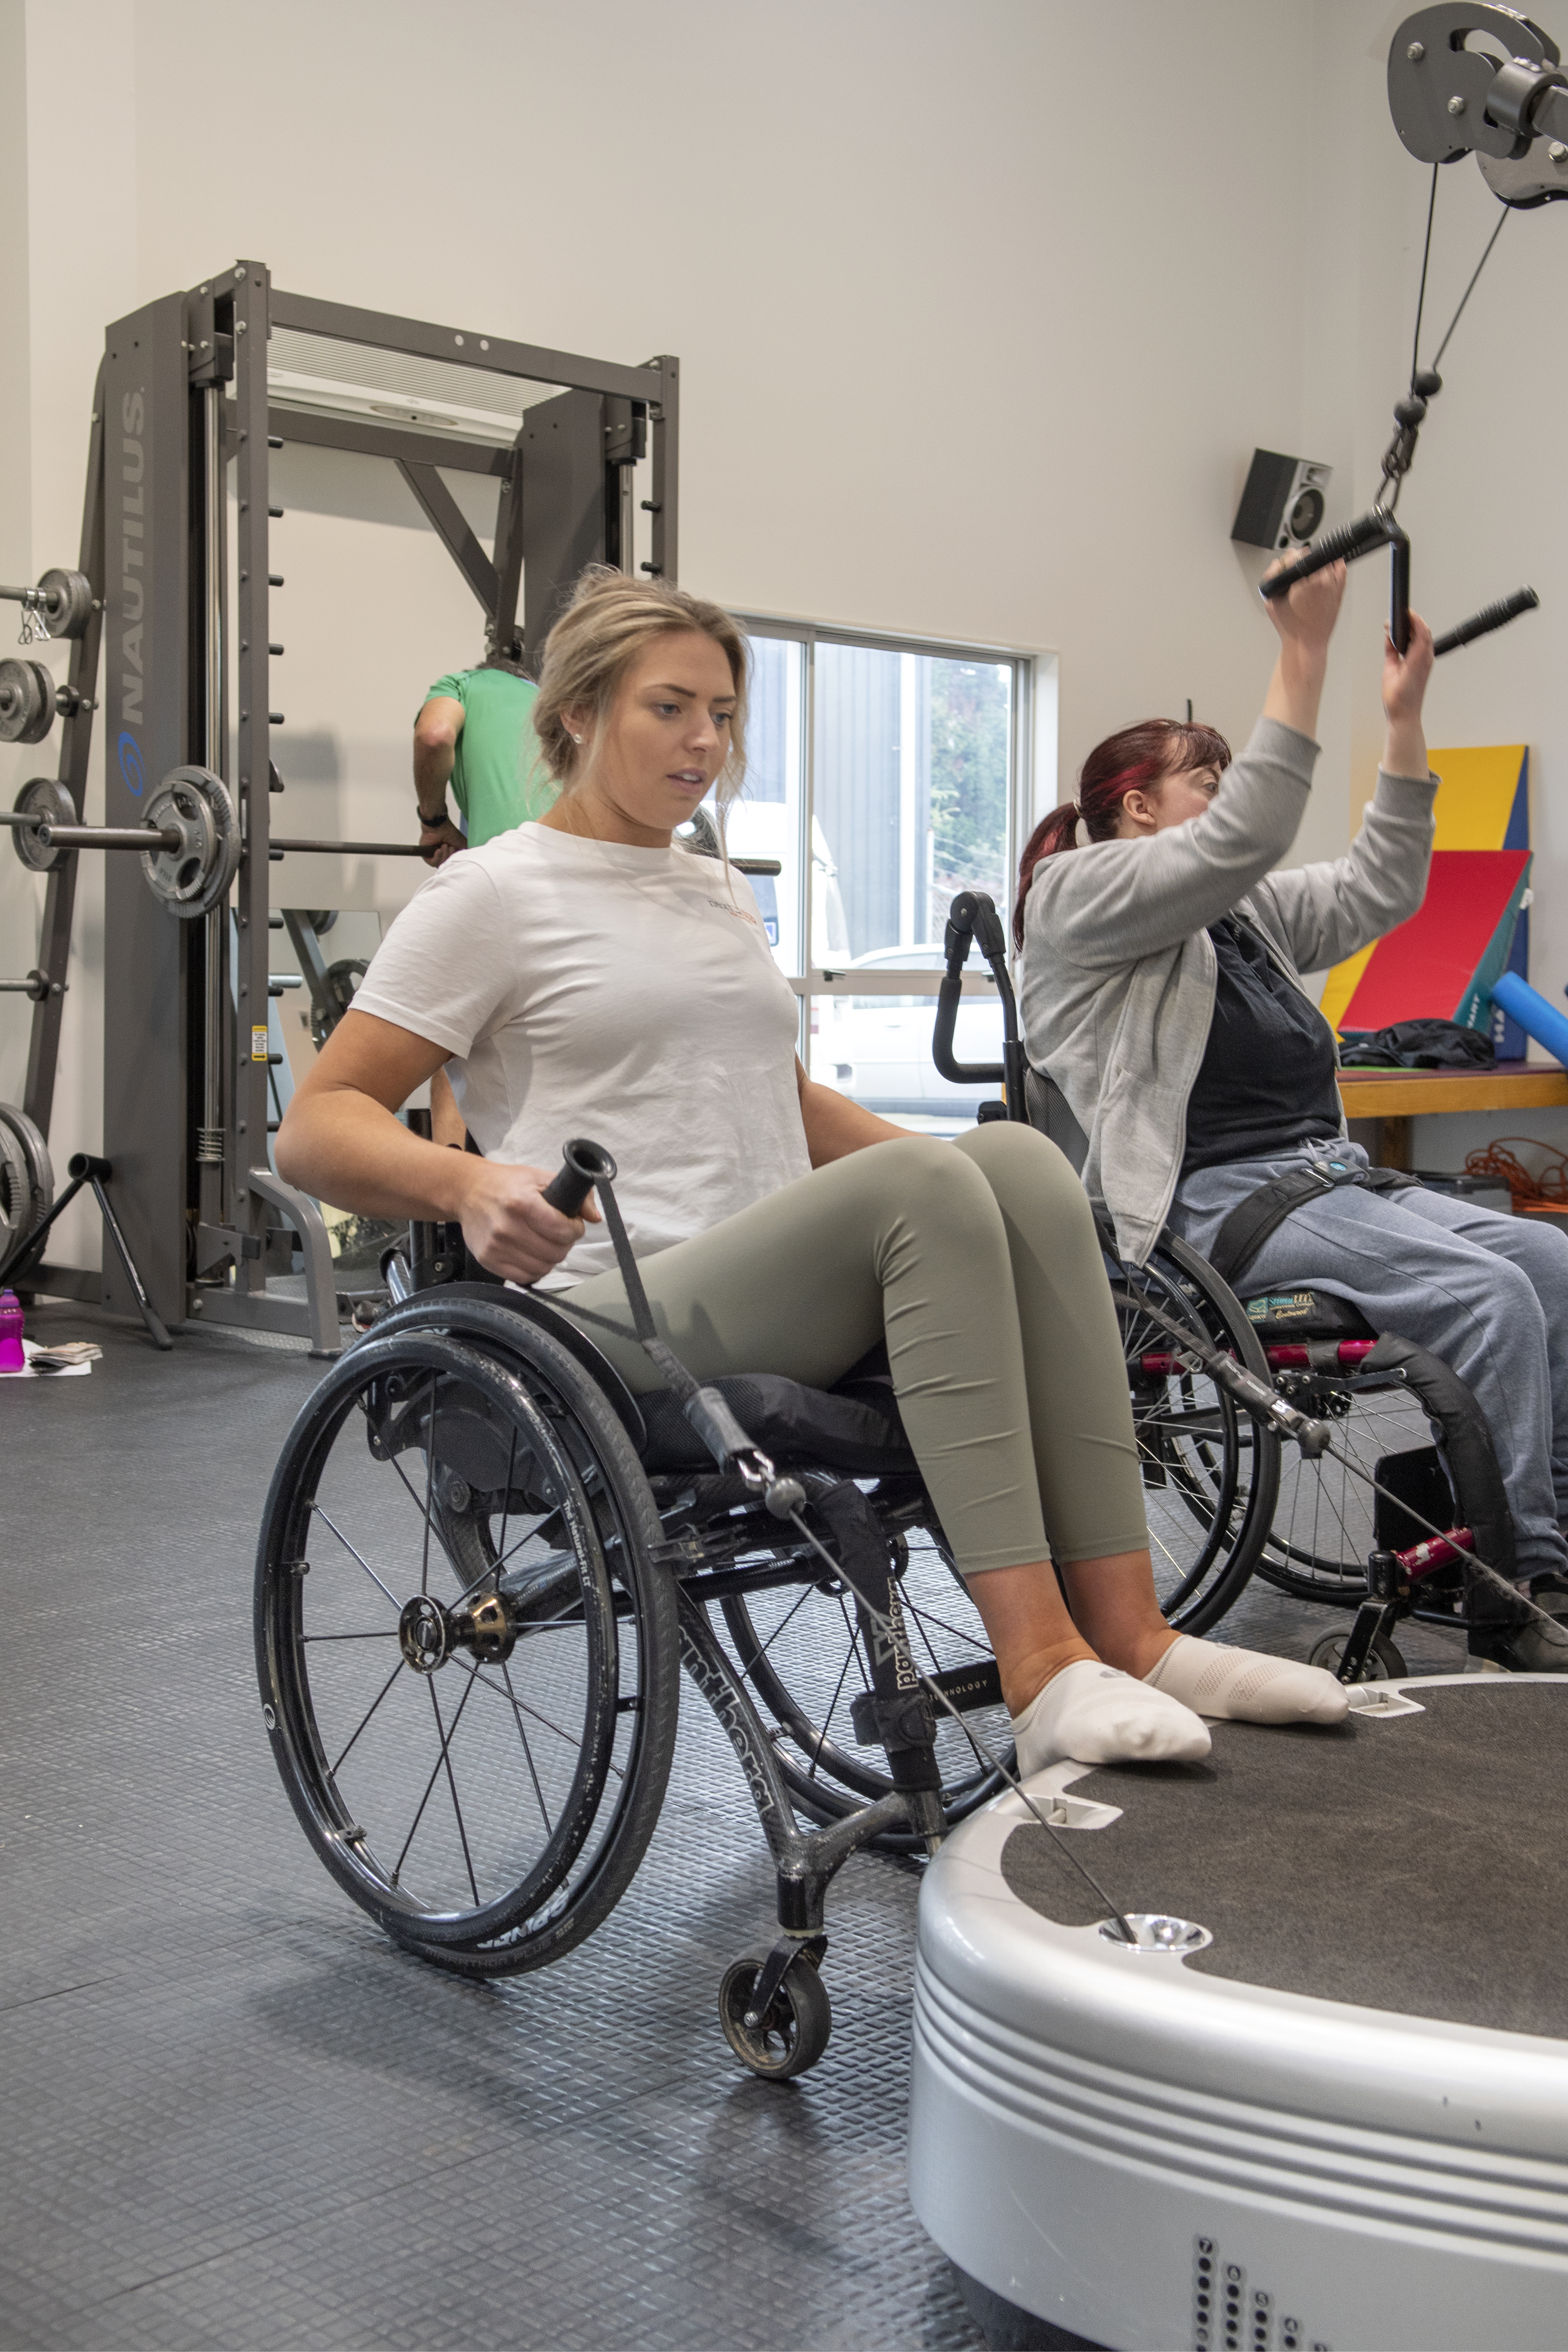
column 341, row 980
column 49, row 801
column 26, row 1179
column 26, row 702
column 67, row 602
column 193, row 879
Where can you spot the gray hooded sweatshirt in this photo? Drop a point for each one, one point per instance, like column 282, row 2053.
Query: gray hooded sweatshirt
column 1118, row 971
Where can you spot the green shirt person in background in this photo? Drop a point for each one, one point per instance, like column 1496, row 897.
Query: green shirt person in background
column 474, row 730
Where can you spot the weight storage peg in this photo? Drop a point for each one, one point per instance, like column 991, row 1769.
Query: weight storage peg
column 59, row 606
column 41, row 802
column 30, row 700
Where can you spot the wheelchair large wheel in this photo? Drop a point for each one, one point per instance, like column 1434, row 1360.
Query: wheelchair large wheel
column 1211, row 1473
column 800, row 1649
column 468, row 1664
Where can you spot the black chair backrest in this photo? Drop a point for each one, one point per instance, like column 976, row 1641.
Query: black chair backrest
column 1048, row 1111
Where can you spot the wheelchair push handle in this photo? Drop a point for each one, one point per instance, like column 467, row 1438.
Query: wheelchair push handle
column 972, row 916
column 584, row 1165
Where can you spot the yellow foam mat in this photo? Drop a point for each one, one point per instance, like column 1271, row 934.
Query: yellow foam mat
column 1475, row 798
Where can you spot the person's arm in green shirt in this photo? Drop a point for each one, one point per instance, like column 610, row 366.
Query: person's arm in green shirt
column 436, row 733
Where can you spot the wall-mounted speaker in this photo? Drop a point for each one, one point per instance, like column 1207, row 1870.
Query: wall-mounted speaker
column 1282, row 505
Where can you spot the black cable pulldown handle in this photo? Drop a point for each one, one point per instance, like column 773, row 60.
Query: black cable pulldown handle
column 1491, row 617
column 584, row 1165
column 1351, row 540
column 1398, row 588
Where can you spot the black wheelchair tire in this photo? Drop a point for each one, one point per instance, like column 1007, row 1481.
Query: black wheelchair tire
column 795, row 2034
column 1179, row 1281
column 518, row 1369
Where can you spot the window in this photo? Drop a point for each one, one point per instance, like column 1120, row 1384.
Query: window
column 885, row 776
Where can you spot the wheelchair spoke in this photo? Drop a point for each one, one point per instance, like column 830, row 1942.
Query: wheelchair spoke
column 370, row 1710
column 527, row 1751
column 451, row 1782
column 850, row 1656
column 420, row 1503
column 478, row 1675
column 520, row 1544
column 430, row 1783
column 429, row 1489
column 923, row 1617
column 364, row 1563
column 381, row 1634
column 765, row 1647
column 506, row 1505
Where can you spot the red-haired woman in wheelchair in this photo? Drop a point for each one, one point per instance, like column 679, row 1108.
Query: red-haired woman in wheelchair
column 585, row 974
column 1162, row 993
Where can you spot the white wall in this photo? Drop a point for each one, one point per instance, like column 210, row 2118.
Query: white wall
column 981, row 310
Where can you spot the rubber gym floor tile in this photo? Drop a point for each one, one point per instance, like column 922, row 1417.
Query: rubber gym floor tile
column 237, row 2117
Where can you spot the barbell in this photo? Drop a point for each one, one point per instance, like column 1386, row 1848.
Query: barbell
column 189, row 842
column 189, row 845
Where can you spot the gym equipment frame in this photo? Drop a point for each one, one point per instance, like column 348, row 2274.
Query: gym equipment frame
column 182, row 395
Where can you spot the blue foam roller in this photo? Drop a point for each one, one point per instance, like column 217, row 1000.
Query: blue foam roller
column 1534, row 1015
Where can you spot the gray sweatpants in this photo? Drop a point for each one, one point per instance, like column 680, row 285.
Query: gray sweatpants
column 1487, row 1294
column 979, row 1262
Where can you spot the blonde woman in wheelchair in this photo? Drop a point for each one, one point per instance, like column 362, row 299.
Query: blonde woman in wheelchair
column 585, row 974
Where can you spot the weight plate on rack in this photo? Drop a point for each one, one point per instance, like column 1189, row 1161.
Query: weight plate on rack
column 67, row 602
column 341, row 979
column 26, row 1179
column 49, row 800
column 26, row 702
column 195, row 878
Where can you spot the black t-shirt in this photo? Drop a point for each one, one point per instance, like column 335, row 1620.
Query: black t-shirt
column 1268, row 1075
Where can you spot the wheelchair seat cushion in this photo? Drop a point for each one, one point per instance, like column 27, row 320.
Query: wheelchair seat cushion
column 1277, row 1316
column 854, row 1429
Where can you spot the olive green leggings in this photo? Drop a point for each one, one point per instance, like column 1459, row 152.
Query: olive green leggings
column 979, row 1262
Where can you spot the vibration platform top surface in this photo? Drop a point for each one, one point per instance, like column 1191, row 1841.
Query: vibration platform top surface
column 1416, row 1864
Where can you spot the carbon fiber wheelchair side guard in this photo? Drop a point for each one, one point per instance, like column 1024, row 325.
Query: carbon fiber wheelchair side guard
column 481, row 1566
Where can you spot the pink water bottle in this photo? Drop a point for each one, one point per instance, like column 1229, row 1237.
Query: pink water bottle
column 13, row 1355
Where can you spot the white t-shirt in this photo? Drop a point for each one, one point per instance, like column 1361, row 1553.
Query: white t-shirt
column 627, row 995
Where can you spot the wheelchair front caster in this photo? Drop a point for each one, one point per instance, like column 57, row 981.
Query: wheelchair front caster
column 792, row 2034
column 1385, row 1661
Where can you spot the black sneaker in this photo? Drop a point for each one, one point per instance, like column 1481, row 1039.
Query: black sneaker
column 1549, row 1591
column 1539, row 1646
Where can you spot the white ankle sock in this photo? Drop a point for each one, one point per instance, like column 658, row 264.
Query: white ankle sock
column 1095, row 1714
column 1247, row 1685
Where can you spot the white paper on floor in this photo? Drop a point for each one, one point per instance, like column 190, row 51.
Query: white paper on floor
column 31, row 1348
